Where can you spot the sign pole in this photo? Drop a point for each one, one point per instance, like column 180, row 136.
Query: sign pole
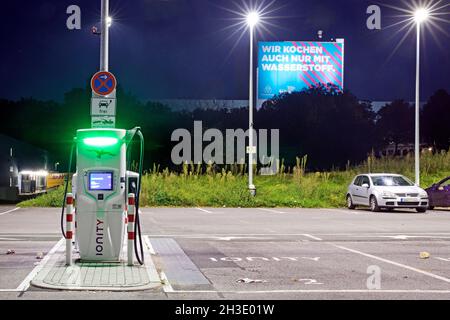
column 104, row 42
column 103, row 83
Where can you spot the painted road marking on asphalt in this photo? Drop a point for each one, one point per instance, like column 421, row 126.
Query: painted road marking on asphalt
column 9, row 290
column 234, row 238
column 271, row 210
column 204, row 210
column 26, row 282
column 266, row 259
column 167, row 287
column 149, row 245
column 443, row 259
column 346, row 211
column 9, row 211
column 312, row 237
column 432, row 275
column 309, row 281
column 313, row 291
column 385, row 234
column 407, row 237
column 273, row 235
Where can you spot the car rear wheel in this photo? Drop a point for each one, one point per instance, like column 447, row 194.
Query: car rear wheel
column 421, row 210
column 374, row 204
column 350, row 204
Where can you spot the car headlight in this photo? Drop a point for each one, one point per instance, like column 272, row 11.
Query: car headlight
column 388, row 195
column 423, row 194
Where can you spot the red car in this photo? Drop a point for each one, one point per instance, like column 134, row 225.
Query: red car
column 439, row 194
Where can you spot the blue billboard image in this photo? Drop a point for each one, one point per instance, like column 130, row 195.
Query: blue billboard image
column 296, row 65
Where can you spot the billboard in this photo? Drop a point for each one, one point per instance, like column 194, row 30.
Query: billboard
column 296, row 65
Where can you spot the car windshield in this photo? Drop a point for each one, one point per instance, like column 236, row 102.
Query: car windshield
column 391, row 181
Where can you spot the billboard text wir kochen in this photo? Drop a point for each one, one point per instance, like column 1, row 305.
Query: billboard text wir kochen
column 296, row 65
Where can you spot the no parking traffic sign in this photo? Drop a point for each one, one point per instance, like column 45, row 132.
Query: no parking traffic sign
column 103, row 83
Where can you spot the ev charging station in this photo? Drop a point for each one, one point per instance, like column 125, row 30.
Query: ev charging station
column 101, row 187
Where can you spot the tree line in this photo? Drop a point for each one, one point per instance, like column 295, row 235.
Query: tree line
column 332, row 127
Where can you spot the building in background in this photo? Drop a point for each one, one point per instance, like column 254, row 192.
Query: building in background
column 205, row 104
column 23, row 169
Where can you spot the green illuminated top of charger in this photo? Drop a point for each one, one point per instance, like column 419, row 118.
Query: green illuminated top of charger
column 100, row 141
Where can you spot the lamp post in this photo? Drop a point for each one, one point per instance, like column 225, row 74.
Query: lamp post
column 420, row 16
column 252, row 21
column 106, row 22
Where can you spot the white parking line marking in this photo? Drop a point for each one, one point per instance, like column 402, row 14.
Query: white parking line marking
column 149, row 245
column 26, row 282
column 405, row 237
column 9, row 290
column 270, row 210
column 166, row 284
column 314, row 291
column 312, row 237
column 215, row 235
column 346, row 211
column 233, row 238
column 9, row 211
column 443, row 259
column 378, row 234
column 429, row 274
column 204, row 210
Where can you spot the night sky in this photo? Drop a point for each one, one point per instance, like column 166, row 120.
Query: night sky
column 179, row 48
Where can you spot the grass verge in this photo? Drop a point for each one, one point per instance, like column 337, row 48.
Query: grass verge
column 291, row 187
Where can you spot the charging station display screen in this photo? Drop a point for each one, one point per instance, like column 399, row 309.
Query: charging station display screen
column 100, row 181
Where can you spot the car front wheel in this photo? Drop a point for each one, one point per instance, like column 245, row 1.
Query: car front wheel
column 421, row 210
column 374, row 204
column 350, row 204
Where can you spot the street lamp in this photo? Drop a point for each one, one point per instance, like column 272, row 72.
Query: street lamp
column 252, row 21
column 420, row 16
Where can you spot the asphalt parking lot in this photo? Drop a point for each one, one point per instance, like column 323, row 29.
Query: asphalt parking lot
column 224, row 253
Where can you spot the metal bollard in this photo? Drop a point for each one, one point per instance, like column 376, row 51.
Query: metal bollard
column 69, row 229
column 130, row 227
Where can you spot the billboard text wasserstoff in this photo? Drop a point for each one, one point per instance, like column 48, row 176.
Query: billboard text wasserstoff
column 294, row 66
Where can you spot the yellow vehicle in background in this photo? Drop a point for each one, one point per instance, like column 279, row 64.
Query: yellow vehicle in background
column 55, row 180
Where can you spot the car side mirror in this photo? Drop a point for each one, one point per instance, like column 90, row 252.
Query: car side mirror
column 365, row 185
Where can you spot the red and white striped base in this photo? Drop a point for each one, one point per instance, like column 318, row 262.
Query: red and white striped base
column 131, row 209
column 69, row 228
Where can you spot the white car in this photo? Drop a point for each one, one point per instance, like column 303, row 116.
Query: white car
column 386, row 191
